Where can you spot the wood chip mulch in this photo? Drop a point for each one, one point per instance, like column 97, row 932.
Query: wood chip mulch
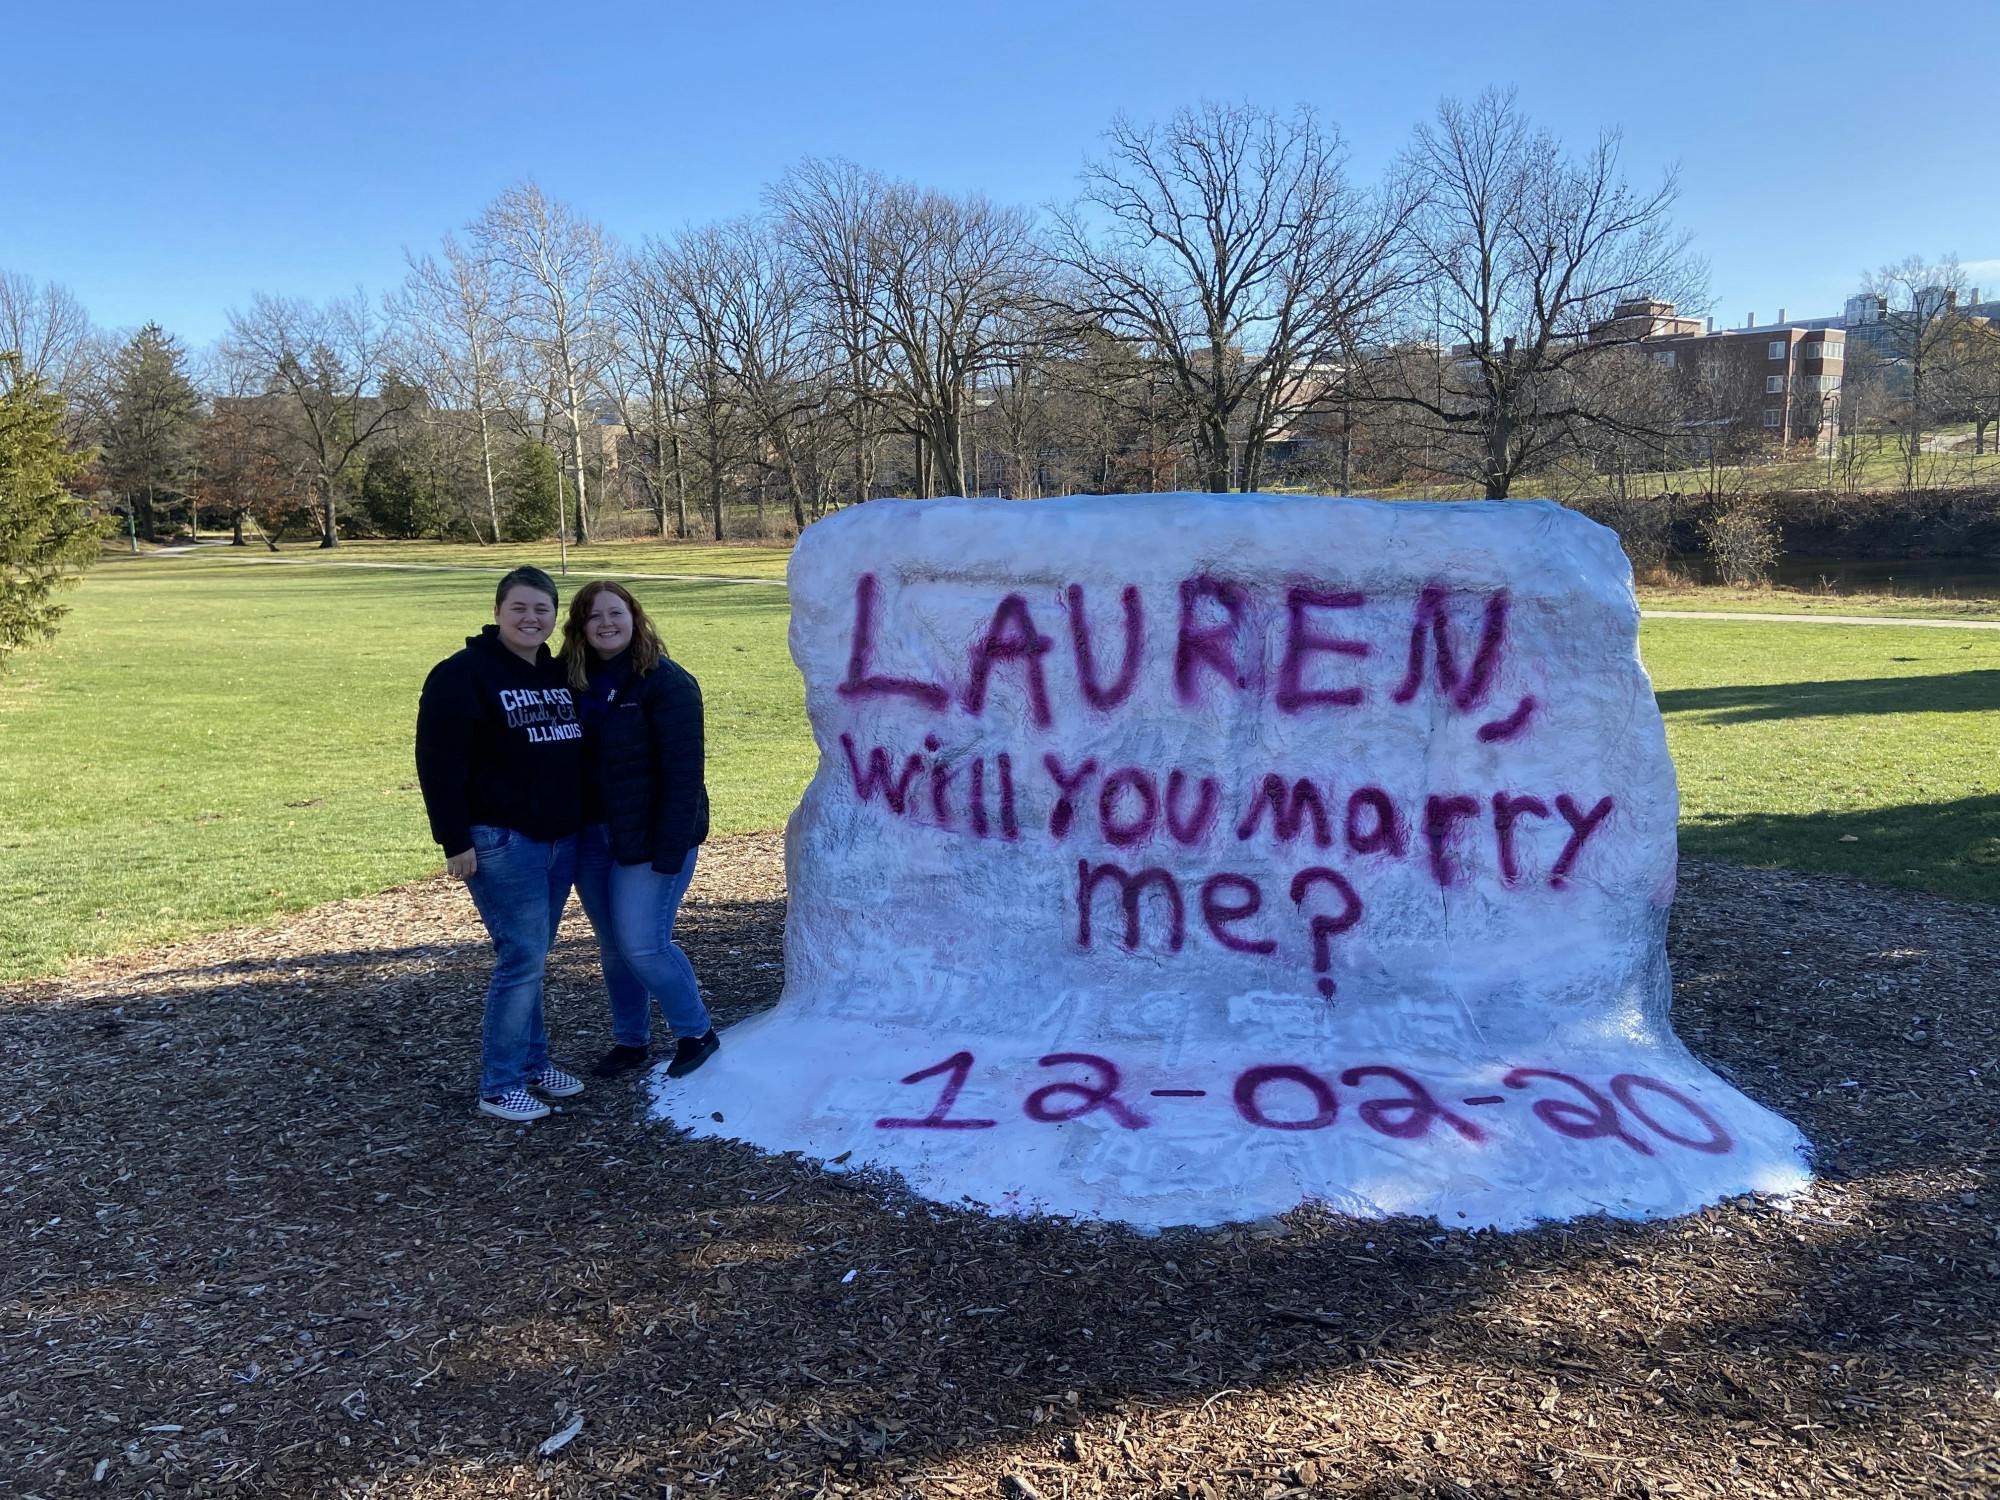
column 258, row 1243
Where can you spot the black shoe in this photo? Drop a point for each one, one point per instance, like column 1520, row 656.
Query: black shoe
column 620, row 1059
column 690, row 1052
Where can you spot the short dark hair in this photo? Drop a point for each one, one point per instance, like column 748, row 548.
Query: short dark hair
column 533, row 577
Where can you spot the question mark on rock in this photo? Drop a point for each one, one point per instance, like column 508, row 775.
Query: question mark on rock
column 1324, row 927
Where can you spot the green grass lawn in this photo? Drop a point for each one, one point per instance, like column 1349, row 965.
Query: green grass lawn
column 1714, row 598
column 208, row 743
column 747, row 560
column 1853, row 750
column 212, row 741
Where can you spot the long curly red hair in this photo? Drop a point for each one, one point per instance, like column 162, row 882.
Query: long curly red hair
column 577, row 653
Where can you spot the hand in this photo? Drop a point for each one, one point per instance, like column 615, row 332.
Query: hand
column 460, row 866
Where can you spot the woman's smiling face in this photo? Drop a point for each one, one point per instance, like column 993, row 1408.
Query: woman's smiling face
column 609, row 628
column 525, row 617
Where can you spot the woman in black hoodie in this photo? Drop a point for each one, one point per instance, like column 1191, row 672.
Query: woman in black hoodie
column 645, row 813
column 500, row 758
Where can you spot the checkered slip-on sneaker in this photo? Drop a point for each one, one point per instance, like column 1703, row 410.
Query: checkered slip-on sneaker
column 515, row 1104
column 554, row 1083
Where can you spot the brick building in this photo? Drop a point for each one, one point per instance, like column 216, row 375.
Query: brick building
column 1778, row 381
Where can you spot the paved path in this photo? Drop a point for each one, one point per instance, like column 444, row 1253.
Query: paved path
column 1649, row 614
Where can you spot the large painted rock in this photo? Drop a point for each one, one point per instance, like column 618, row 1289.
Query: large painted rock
column 1179, row 859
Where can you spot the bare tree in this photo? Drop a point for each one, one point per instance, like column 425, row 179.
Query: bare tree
column 1023, row 410
column 241, row 478
column 956, row 275
column 1228, row 244
column 644, row 382
column 1710, row 441
column 556, row 267
column 1526, row 253
column 926, row 292
column 1925, row 330
column 1974, row 386
column 1864, row 407
column 248, row 453
column 1623, row 456
column 48, row 328
column 449, row 315
column 771, row 353
column 686, row 281
column 329, row 363
column 826, row 211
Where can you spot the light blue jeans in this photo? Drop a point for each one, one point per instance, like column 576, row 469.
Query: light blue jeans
column 633, row 909
column 520, row 888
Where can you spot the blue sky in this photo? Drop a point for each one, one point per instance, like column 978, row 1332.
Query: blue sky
column 166, row 161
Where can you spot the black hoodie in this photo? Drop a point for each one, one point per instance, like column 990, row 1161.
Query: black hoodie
column 498, row 743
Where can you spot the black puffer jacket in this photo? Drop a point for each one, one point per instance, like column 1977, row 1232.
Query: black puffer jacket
column 644, row 761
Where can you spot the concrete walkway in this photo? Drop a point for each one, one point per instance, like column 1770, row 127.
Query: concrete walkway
column 1755, row 616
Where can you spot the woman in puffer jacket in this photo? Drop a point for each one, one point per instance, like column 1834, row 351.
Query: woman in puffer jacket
column 645, row 811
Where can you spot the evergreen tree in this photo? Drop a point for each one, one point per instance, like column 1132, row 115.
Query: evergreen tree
column 155, row 420
column 536, row 490
column 400, row 498
column 45, row 533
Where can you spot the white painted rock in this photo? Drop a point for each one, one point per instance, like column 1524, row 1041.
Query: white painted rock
column 1177, row 859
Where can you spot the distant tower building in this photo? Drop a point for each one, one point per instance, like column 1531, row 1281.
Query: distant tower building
column 1864, row 309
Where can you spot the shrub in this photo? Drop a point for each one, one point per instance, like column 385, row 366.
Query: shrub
column 1644, row 524
column 1742, row 539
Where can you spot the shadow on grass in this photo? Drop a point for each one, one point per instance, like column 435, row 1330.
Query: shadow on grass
column 1743, row 703
column 1952, row 848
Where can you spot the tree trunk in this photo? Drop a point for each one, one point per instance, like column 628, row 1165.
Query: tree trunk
column 486, row 464
column 576, row 455
column 680, row 491
column 715, row 486
column 1499, row 431
column 970, row 478
column 329, row 535
column 236, row 526
column 1212, row 452
column 950, row 467
column 794, row 477
column 1253, row 464
column 659, row 479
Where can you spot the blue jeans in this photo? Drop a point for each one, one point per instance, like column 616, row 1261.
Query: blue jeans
column 633, row 909
column 520, row 888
